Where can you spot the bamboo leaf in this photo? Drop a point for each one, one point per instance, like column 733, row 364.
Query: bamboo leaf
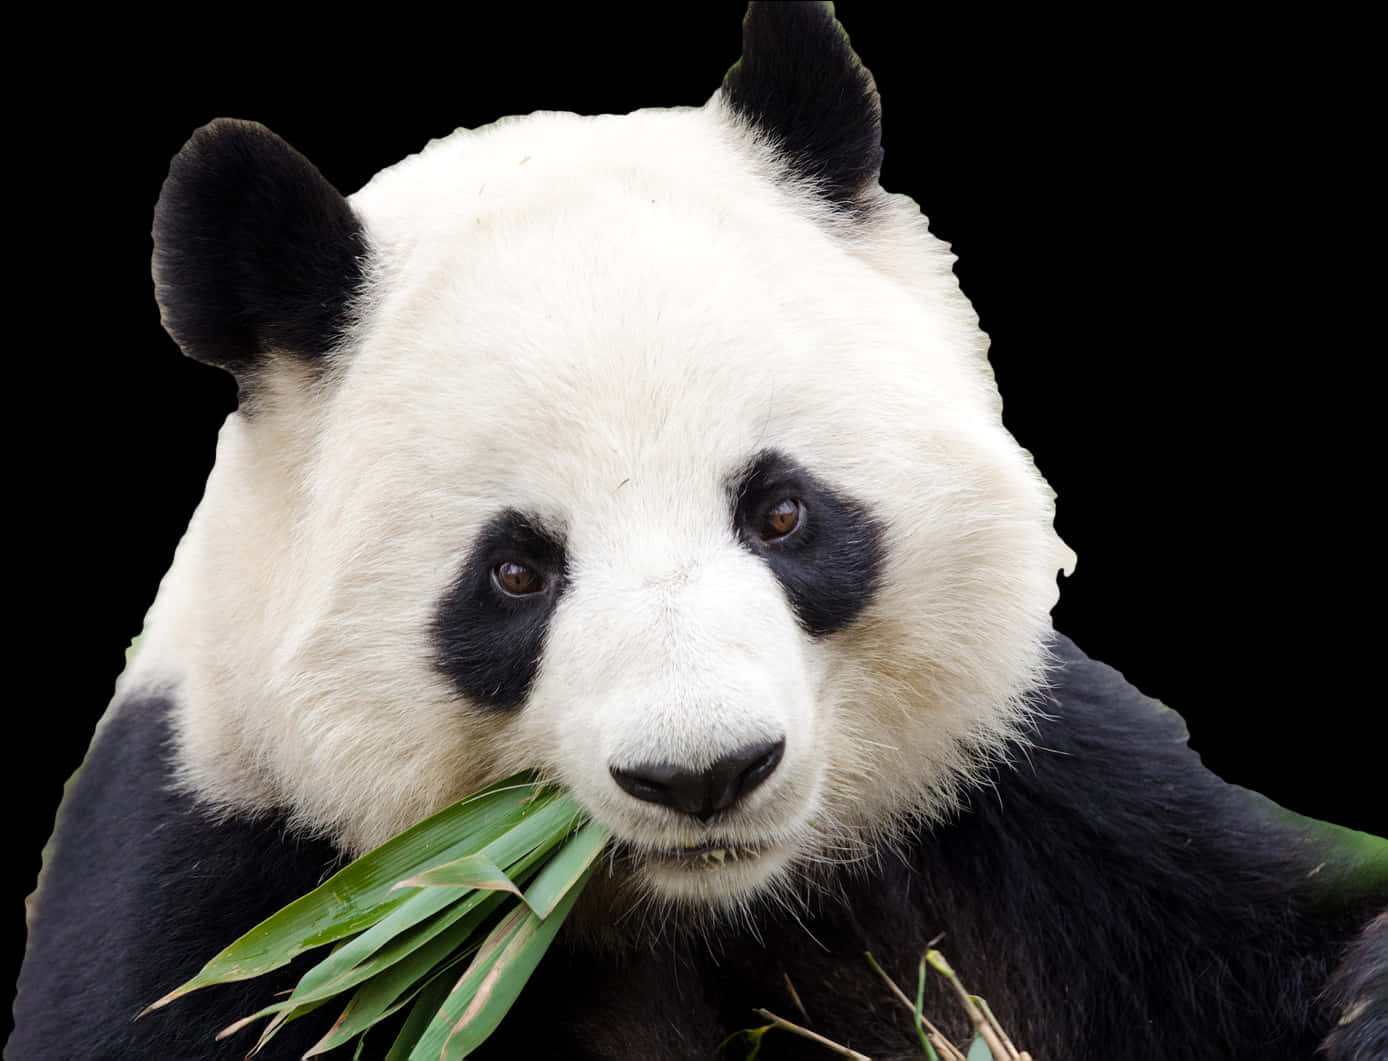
column 519, row 847
column 393, row 987
column 422, row 916
column 280, row 1020
column 1009, row 1049
column 408, row 926
column 470, row 871
column 544, row 826
column 431, row 1042
column 489, row 986
column 426, row 1004
column 508, row 974
column 280, row 1013
column 569, row 865
column 402, row 916
column 360, row 894
column 918, row 1015
column 978, row 1050
column 392, row 976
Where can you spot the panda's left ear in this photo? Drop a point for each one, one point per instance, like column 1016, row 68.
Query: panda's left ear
column 800, row 85
column 256, row 255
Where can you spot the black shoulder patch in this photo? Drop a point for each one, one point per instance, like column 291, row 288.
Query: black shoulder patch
column 140, row 887
column 801, row 83
column 254, row 251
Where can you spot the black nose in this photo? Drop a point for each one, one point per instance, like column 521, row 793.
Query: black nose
column 702, row 793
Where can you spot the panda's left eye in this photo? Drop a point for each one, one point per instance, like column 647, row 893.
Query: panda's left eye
column 517, row 580
column 781, row 519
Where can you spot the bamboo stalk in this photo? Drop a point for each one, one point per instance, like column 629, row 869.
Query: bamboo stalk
column 980, row 1022
column 829, row 1044
column 937, row 1039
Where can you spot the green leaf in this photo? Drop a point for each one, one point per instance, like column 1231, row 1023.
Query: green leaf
column 490, row 986
column 406, row 928
column 271, row 1029
column 360, row 894
column 359, row 961
column 512, row 970
column 569, row 865
column 978, row 1050
column 545, row 824
column 426, row 1004
column 470, row 871
column 398, row 966
column 402, row 916
column 431, row 1044
column 413, row 924
column 393, row 987
column 755, row 1037
column 917, row 1012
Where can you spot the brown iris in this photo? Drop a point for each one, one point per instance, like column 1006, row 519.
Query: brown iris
column 516, row 580
column 780, row 519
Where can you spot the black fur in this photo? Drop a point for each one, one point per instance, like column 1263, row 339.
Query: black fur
column 831, row 565
column 800, row 83
column 254, row 251
column 1107, row 895
column 1358, row 996
column 141, row 888
column 490, row 644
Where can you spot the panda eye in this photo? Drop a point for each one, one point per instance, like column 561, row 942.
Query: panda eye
column 781, row 519
column 516, row 580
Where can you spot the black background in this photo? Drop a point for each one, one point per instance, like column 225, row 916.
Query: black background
column 1157, row 222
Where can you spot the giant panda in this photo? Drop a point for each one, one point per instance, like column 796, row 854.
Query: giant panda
column 728, row 330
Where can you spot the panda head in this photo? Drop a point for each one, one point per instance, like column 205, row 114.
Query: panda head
column 657, row 452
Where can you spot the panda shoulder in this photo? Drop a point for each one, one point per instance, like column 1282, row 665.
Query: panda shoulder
column 1119, row 761
column 144, row 876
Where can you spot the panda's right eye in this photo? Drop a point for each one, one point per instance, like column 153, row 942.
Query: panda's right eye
column 516, row 580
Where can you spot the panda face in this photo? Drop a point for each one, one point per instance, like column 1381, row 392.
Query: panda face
column 640, row 464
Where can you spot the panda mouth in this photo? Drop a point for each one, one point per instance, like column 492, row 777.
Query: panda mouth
column 712, row 854
column 718, row 873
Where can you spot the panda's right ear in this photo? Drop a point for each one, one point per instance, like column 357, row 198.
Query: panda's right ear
column 255, row 253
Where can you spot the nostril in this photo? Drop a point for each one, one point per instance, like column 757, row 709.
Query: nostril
column 660, row 783
column 642, row 788
column 701, row 793
column 761, row 766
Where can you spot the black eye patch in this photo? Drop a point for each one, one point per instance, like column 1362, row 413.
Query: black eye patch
column 830, row 564
column 489, row 642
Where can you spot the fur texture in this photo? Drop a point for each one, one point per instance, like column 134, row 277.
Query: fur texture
column 1088, row 912
column 621, row 417
column 275, row 260
column 604, row 348
column 175, row 885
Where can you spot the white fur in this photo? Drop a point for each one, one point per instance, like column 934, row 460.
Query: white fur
column 600, row 320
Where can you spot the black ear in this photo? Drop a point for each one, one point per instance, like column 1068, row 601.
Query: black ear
column 254, row 251
column 800, row 83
